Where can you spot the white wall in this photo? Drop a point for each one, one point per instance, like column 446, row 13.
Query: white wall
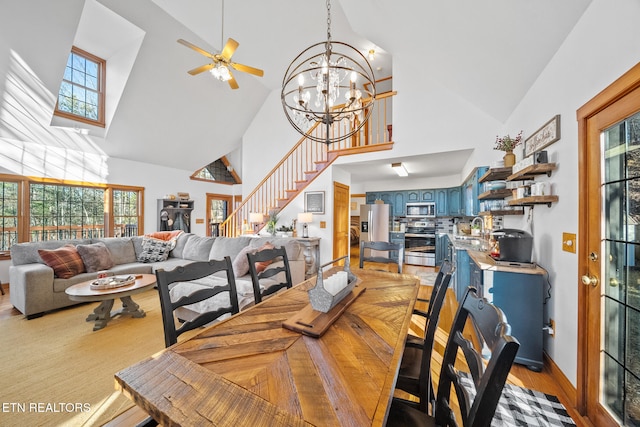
column 601, row 47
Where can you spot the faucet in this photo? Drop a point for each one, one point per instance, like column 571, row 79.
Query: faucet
column 481, row 224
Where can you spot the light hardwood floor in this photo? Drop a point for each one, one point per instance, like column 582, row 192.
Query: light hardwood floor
column 542, row 381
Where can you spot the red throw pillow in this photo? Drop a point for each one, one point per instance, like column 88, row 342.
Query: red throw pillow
column 262, row 265
column 65, row 261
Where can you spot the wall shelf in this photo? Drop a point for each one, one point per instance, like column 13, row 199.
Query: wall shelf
column 532, row 171
column 534, row 200
column 502, row 212
column 496, row 174
column 495, row 194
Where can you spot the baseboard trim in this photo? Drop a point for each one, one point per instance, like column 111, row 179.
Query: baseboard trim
column 570, row 392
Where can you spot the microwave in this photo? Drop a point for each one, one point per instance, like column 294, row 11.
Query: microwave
column 421, row 210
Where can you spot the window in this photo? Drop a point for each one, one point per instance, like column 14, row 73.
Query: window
column 54, row 210
column 64, row 212
column 9, row 203
column 81, row 95
column 125, row 213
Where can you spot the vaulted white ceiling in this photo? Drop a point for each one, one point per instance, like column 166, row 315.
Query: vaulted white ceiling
column 489, row 52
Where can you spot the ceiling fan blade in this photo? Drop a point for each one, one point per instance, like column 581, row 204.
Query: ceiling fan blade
column 233, row 83
column 247, row 69
column 196, row 48
column 229, row 48
column 200, row 69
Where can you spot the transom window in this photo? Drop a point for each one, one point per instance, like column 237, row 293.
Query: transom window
column 81, row 95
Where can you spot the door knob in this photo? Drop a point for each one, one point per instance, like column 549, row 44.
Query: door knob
column 589, row 280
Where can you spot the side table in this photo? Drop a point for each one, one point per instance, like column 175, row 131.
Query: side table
column 311, row 255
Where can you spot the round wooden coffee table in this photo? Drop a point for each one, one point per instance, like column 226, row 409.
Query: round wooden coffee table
column 102, row 313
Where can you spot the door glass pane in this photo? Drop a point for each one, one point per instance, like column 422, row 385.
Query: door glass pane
column 621, row 285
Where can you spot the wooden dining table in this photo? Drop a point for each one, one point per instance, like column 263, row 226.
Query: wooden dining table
column 250, row 371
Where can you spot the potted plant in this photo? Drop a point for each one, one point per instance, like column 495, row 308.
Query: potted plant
column 285, row 231
column 271, row 223
column 507, row 144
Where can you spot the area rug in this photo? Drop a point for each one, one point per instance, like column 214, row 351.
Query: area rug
column 56, row 371
column 520, row 406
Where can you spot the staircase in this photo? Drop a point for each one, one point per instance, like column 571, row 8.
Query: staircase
column 306, row 161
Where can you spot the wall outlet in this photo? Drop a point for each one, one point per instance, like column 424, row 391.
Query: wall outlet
column 569, row 242
column 552, row 327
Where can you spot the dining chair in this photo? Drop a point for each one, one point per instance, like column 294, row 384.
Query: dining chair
column 270, row 272
column 395, row 253
column 445, row 267
column 414, row 376
column 187, row 273
column 477, row 407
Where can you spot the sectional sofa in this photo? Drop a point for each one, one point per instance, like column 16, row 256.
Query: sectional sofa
column 35, row 289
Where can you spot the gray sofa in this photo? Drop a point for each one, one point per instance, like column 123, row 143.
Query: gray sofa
column 35, row 290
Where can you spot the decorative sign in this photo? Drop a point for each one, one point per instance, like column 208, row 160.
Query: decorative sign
column 543, row 137
column 314, row 202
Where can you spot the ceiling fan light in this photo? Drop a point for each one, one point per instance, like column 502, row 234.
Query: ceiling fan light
column 399, row 169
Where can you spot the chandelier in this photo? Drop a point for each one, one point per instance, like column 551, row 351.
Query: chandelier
column 344, row 89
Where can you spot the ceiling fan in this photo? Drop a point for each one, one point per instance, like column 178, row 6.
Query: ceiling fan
column 221, row 63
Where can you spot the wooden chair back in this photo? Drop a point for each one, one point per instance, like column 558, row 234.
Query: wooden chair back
column 395, row 253
column 277, row 256
column 187, row 273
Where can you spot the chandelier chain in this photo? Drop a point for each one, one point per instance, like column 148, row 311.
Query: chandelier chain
column 329, row 21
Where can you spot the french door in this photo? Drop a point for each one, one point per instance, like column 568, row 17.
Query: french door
column 609, row 256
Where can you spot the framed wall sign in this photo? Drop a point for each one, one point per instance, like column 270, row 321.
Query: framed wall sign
column 543, row 137
column 314, row 202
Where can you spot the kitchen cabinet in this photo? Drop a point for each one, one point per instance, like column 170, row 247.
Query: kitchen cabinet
column 441, row 197
column 372, row 197
column 454, row 201
column 521, row 298
column 427, row 196
column 399, row 203
column 395, row 237
column 471, row 190
column 413, row 195
column 442, row 249
column 463, row 273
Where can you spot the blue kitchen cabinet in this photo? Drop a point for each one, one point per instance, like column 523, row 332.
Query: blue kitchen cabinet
column 372, row 197
column 395, row 237
column 399, row 199
column 427, row 195
column 441, row 196
column 442, row 248
column 471, row 190
column 454, row 201
column 463, row 273
column 521, row 297
column 413, row 196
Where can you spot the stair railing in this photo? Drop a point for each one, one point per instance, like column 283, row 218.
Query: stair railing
column 304, row 162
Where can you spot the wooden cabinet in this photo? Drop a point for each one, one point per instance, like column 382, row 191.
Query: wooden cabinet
column 174, row 215
column 454, row 201
column 521, row 298
column 442, row 207
column 471, row 191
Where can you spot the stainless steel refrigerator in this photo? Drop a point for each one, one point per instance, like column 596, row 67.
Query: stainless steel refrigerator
column 374, row 224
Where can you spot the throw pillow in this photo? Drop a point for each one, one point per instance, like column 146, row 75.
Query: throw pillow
column 262, row 265
column 96, row 257
column 154, row 250
column 65, row 261
column 241, row 262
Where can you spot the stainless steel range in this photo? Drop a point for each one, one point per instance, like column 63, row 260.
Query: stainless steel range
column 420, row 243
